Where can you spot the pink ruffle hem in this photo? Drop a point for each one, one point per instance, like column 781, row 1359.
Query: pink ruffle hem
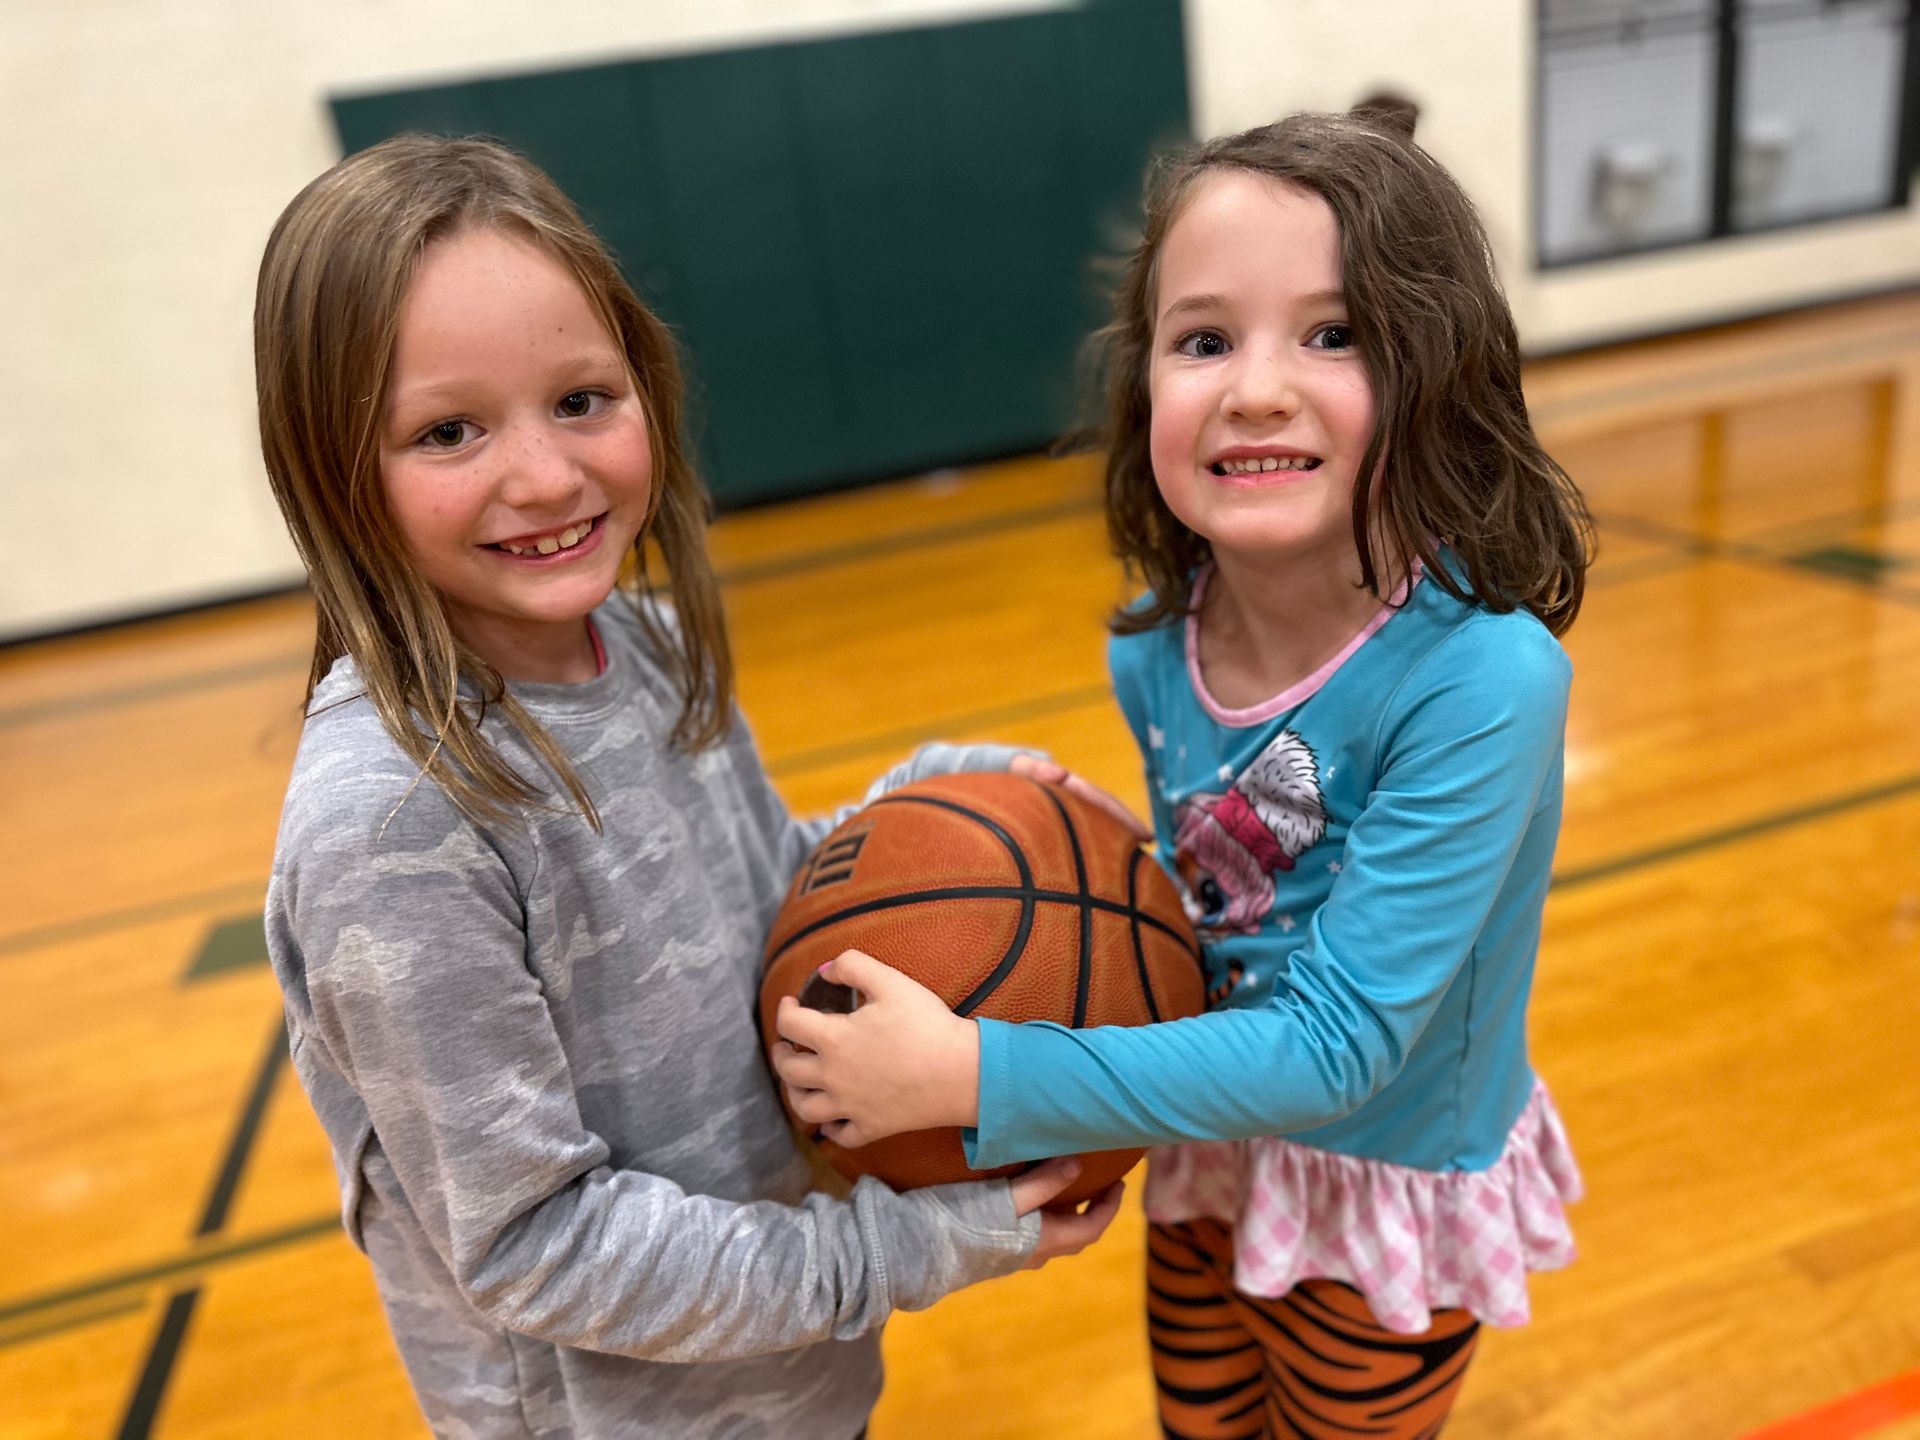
column 1411, row 1241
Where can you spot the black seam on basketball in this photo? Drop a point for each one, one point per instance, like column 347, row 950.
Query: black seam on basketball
column 1084, row 986
column 1147, row 917
column 1030, row 898
column 976, row 892
column 993, row 826
column 1025, row 895
column 1133, row 930
column 1186, row 941
column 1007, row 961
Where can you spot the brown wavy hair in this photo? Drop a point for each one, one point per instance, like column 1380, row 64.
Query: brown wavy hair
column 337, row 267
column 1458, row 461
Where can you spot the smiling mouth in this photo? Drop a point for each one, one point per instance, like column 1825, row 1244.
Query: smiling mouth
column 1265, row 465
column 553, row 542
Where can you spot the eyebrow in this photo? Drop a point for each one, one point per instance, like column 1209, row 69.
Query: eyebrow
column 591, row 363
column 1187, row 304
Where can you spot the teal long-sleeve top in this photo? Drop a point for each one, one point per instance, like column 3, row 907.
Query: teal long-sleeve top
column 1369, row 856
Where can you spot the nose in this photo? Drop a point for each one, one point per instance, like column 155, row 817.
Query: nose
column 1263, row 384
column 539, row 473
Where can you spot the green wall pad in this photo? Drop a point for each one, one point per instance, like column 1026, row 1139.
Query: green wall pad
column 879, row 250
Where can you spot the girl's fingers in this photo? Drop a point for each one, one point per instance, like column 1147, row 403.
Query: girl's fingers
column 844, row 1133
column 1068, row 1233
column 806, row 1105
column 1037, row 1186
column 1033, row 767
column 1052, row 772
column 858, row 970
column 1106, row 1205
column 798, row 1070
column 1094, row 795
column 800, row 1026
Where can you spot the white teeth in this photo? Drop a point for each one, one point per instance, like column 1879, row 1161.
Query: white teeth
column 549, row 544
column 1265, row 463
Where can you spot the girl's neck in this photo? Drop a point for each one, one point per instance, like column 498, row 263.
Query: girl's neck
column 1265, row 626
column 566, row 652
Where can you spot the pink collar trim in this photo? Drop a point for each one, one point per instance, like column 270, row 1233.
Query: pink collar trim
column 1300, row 690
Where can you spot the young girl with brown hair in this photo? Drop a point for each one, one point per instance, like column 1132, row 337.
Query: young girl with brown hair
column 1346, row 686
column 528, row 853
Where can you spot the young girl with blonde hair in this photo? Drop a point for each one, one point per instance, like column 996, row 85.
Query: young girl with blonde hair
column 1346, row 686
column 528, row 853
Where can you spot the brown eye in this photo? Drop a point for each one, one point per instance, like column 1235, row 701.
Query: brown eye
column 448, row 433
column 579, row 403
column 1203, row 344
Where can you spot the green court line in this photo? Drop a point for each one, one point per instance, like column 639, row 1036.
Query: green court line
column 223, row 898
column 236, row 944
column 205, row 1258
column 1734, row 834
column 1626, row 572
column 1792, row 532
column 1745, row 552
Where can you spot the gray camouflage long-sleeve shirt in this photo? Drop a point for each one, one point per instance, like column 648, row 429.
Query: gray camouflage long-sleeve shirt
column 535, row 1052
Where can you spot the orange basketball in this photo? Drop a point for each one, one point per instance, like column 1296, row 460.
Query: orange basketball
column 1009, row 899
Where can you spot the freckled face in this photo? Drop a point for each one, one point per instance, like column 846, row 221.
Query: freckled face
column 514, row 450
column 1261, row 404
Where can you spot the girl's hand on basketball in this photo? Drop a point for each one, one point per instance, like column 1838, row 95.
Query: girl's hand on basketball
column 1052, row 772
column 901, row 1061
column 1069, row 1231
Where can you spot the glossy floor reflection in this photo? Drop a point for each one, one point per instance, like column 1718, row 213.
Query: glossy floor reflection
column 1724, row 1004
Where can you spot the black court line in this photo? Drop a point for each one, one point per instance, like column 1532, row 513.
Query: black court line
column 214, row 1257
column 96, row 1316
column 154, row 689
column 1683, row 541
column 1713, row 378
column 150, row 1390
column 758, row 572
column 144, row 1408
column 929, row 537
column 209, row 1258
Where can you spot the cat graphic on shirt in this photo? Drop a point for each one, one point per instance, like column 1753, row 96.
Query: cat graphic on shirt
column 1228, row 847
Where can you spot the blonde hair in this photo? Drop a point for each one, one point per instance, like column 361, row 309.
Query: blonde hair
column 336, row 270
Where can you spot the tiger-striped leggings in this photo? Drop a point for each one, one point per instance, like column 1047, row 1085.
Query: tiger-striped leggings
column 1314, row 1362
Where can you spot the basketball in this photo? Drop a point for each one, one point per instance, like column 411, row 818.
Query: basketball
column 1008, row 898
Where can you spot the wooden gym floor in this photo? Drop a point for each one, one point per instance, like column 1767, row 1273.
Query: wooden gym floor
column 1725, row 1009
